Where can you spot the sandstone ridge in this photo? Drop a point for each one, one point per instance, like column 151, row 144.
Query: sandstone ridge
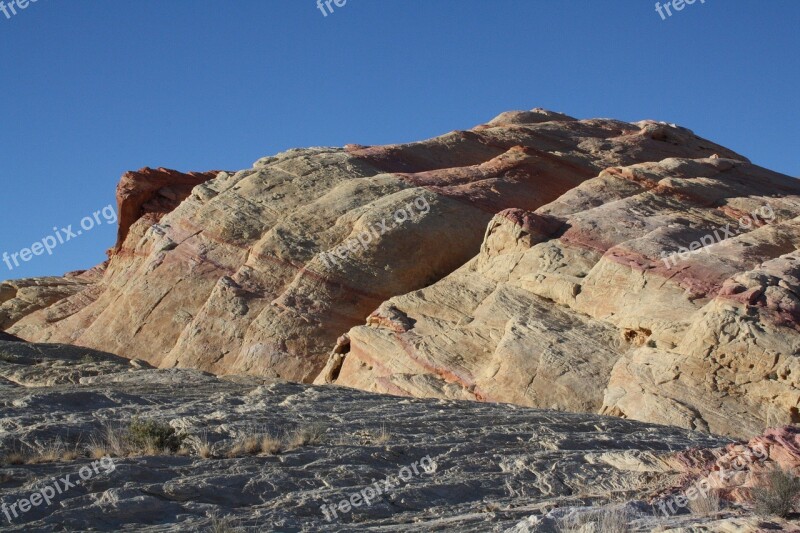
column 527, row 267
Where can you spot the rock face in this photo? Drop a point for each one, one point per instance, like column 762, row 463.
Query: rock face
column 262, row 270
column 573, row 306
column 150, row 194
column 483, row 467
column 527, row 260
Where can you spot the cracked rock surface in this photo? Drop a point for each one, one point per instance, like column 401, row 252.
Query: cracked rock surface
column 490, row 467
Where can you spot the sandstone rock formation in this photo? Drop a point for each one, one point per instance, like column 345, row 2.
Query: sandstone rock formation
column 572, row 306
column 22, row 297
column 238, row 277
column 494, row 467
column 149, row 194
column 565, row 301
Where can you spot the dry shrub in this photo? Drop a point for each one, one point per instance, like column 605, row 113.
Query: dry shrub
column 311, row 435
column 381, row 436
column 613, row 520
column 139, row 437
column 776, row 493
column 153, row 436
column 705, row 504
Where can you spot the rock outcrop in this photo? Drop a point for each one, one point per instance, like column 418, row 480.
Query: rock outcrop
column 260, row 271
column 148, row 194
column 631, row 269
column 23, row 297
column 576, row 306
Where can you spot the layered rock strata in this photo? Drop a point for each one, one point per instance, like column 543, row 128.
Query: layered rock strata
column 581, row 305
column 260, row 271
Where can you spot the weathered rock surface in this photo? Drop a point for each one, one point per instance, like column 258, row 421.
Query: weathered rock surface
column 573, row 306
column 493, row 467
column 43, row 365
column 239, row 277
column 22, row 297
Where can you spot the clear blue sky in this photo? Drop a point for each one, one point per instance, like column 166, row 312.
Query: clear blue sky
column 94, row 88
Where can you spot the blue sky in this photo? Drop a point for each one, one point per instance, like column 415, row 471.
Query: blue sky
column 94, row 88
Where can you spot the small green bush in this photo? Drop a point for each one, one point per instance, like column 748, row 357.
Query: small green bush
column 148, row 434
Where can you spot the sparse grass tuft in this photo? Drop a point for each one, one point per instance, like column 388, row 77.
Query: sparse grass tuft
column 111, row 441
column 204, row 448
column 52, row 452
column 705, row 504
column 614, row 520
column 270, row 445
column 245, row 445
column 306, row 436
column 381, row 436
column 776, row 493
column 15, row 458
column 222, row 525
column 255, row 443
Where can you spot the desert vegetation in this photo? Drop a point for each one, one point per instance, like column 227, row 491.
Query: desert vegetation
column 777, row 493
column 147, row 437
column 705, row 504
column 610, row 520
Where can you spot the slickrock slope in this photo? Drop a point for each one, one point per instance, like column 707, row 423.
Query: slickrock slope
column 22, row 297
column 491, row 467
column 239, row 278
column 573, row 306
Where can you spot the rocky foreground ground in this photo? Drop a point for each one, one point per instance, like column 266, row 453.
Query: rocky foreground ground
column 479, row 467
